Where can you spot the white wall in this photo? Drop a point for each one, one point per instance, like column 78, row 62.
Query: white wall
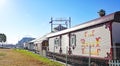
column 52, row 46
column 65, row 43
column 100, row 33
column 90, row 36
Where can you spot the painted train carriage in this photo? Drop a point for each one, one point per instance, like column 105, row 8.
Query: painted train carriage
column 97, row 40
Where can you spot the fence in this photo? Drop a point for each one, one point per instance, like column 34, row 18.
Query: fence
column 114, row 62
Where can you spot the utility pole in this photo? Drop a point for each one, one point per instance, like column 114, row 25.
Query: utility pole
column 51, row 24
column 69, row 22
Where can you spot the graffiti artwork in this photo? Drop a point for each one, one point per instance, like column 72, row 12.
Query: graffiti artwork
column 90, row 42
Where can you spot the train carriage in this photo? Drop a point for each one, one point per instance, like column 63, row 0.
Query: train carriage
column 97, row 40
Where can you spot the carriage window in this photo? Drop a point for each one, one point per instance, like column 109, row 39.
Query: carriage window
column 57, row 42
column 73, row 40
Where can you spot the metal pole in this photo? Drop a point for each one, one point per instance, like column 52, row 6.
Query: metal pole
column 54, row 52
column 66, row 23
column 69, row 22
column 114, row 49
column 89, row 55
column 51, row 24
column 66, row 55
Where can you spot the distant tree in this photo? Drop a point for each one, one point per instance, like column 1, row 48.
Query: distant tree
column 102, row 13
column 3, row 38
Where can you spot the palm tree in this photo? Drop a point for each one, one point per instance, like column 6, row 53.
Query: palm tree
column 2, row 38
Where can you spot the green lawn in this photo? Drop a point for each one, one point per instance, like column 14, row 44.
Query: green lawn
column 2, row 54
column 40, row 58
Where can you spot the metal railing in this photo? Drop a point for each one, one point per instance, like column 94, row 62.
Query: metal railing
column 114, row 62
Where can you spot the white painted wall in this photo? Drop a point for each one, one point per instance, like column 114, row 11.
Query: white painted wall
column 52, row 46
column 90, row 39
column 65, row 43
column 100, row 33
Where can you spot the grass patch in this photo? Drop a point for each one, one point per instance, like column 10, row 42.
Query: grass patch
column 2, row 54
column 40, row 58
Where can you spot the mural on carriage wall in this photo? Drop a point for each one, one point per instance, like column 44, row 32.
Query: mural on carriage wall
column 97, row 40
column 90, row 41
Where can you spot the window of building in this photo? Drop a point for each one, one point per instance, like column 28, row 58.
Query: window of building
column 73, row 40
column 57, row 42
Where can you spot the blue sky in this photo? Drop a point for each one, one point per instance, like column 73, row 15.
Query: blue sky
column 20, row 18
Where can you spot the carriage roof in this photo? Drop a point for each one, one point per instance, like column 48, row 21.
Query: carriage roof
column 111, row 17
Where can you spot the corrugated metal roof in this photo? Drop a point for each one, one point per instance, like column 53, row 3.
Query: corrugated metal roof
column 40, row 39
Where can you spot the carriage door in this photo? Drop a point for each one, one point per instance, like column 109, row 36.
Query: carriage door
column 44, row 47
